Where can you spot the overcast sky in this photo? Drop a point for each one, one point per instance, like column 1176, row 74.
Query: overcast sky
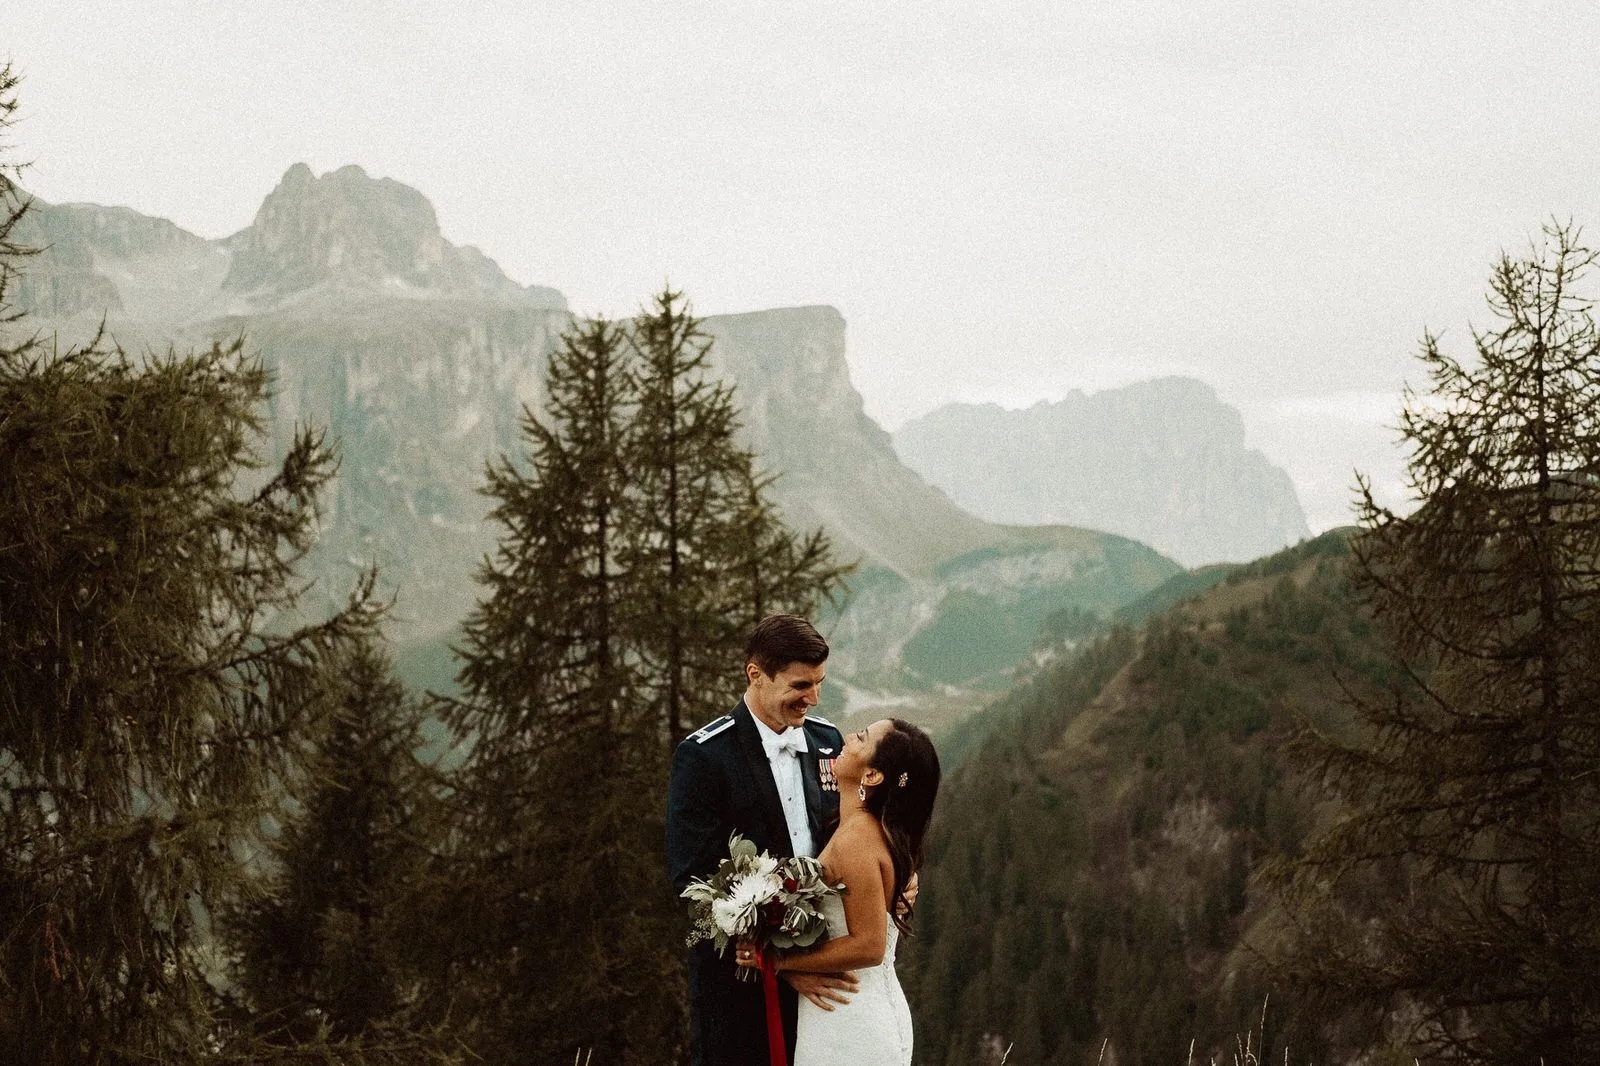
column 1006, row 200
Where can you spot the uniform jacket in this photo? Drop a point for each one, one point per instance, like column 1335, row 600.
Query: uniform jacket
column 722, row 784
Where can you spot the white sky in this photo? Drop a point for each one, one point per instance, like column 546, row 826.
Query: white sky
column 1007, row 200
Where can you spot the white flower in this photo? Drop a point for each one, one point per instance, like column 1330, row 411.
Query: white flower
column 735, row 915
column 731, row 918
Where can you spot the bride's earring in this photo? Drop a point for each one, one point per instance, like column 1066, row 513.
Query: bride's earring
column 861, row 790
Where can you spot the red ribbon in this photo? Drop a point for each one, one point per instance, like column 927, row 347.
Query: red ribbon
column 776, row 1051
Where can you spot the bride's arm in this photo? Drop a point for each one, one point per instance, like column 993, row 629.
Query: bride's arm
column 865, row 911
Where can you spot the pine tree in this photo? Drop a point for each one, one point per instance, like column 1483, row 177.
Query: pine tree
column 333, row 945
column 712, row 554
column 1474, row 791
column 687, row 468
column 146, row 701
column 13, row 205
column 777, row 569
column 152, row 686
column 546, row 651
column 571, row 937
column 615, row 608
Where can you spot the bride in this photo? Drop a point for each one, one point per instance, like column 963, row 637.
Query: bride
column 888, row 777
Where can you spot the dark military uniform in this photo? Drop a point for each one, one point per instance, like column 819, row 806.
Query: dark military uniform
column 722, row 784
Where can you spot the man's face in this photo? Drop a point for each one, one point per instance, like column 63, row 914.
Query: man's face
column 783, row 699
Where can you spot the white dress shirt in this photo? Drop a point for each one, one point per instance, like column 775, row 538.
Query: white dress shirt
column 783, row 753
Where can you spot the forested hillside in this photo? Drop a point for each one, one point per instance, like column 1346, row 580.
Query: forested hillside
column 1089, row 873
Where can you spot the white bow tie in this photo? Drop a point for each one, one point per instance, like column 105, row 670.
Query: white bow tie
column 790, row 740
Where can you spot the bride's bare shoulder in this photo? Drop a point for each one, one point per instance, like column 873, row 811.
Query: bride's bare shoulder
column 854, row 845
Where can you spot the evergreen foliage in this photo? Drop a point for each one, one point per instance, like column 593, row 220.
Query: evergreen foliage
column 545, row 650
column 1089, row 870
column 151, row 689
column 334, row 944
column 1475, row 788
column 711, row 554
column 559, row 841
column 639, row 548
column 13, row 204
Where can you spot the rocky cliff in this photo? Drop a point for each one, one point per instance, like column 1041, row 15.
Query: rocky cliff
column 837, row 467
column 345, row 233
column 112, row 260
column 1163, row 462
column 418, row 357
column 414, row 354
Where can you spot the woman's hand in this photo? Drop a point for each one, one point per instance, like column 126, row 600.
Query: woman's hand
column 747, row 954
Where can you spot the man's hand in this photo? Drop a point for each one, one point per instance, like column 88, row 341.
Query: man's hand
column 904, row 907
column 823, row 989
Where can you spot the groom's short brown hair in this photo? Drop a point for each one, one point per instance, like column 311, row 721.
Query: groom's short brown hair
column 781, row 639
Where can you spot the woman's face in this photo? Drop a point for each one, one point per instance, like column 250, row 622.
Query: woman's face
column 859, row 747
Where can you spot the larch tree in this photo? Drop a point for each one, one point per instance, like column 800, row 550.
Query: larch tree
column 570, row 938
column 157, row 681
column 334, row 943
column 1458, row 889
column 149, row 695
column 614, row 612
column 711, row 552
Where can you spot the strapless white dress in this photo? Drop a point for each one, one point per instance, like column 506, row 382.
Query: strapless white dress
column 873, row 1029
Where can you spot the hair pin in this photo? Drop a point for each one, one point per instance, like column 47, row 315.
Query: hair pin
column 904, row 777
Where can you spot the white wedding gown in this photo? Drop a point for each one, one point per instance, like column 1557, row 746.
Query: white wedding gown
column 873, row 1029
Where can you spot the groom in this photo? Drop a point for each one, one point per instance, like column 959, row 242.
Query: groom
column 763, row 772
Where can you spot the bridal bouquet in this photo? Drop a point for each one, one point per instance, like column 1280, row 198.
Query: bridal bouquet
column 773, row 902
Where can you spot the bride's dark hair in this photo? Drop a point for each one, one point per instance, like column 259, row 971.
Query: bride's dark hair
column 903, row 802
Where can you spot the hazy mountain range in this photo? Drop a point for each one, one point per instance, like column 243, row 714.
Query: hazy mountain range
column 1162, row 461
column 418, row 356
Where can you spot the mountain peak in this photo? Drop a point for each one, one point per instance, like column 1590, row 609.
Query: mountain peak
column 300, row 176
column 347, row 231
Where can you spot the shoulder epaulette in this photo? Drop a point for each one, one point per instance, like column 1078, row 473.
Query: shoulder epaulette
column 706, row 732
column 817, row 718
